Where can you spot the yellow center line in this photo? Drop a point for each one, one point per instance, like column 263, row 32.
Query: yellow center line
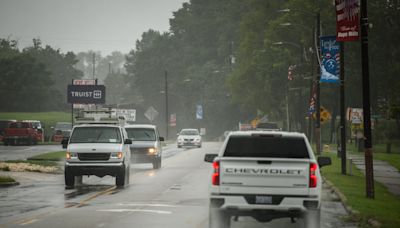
column 104, row 192
column 29, row 222
column 34, row 219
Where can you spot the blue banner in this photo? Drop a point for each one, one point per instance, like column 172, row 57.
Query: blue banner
column 330, row 64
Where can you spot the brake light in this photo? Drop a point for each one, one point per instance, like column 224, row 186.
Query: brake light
column 215, row 175
column 313, row 177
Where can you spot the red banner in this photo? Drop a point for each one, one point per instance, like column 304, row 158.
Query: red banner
column 347, row 20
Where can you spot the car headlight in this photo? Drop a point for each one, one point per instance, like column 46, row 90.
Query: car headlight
column 117, row 155
column 180, row 139
column 70, row 155
column 152, row 150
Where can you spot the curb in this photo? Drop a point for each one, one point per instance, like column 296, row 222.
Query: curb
column 8, row 184
column 343, row 200
column 341, row 196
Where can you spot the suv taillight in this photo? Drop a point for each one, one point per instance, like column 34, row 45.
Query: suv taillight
column 313, row 177
column 215, row 175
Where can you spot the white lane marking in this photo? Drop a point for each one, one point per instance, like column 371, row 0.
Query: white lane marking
column 136, row 210
column 29, row 222
column 146, row 205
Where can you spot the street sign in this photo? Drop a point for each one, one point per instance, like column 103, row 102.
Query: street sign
column 199, row 112
column 86, row 94
column 324, row 114
column 151, row 113
column 129, row 114
column 172, row 120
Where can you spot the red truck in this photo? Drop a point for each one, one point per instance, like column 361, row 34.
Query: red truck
column 18, row 132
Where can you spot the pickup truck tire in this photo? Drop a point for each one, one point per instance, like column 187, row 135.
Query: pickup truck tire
column 312, row 218
column 69, row 181
column 219, row 218
column 6, row 142
column 120, row 178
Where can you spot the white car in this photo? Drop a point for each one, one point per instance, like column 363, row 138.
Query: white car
column 189, row 137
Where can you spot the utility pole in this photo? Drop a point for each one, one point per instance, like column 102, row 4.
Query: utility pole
column 318, row 92
column 369, row 171
column 342, row 112
column 94, row 63
column 166, row 105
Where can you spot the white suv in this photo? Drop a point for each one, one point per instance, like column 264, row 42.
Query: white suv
column 97, row 149
column 189, row 137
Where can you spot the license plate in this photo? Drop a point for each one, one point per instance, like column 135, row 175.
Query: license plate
column 263, row 199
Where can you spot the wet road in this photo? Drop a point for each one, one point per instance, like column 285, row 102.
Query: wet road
column 24, row 152
column 174, row 196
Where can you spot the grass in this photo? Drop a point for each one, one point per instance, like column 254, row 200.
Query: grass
column 48, row 118
column 384, row 208
column 6, row 179
column 52, row 156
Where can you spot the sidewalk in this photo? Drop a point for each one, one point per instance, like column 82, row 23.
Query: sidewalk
column 383, row 173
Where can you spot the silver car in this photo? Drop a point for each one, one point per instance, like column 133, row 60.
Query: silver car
column 146, row 144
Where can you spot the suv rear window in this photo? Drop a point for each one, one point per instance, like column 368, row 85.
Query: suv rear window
column 266, row 147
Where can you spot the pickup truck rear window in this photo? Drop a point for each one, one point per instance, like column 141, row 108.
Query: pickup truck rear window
column 263, row 147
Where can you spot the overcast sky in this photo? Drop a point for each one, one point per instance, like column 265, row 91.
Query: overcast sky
column 82, row 25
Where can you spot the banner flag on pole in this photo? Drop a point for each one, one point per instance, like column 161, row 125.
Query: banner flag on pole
column 330, row 65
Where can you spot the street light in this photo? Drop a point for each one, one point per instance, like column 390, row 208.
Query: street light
column 316, row 33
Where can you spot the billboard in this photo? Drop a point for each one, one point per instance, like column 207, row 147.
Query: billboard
column 330, row 65
column 347, row 20
column 86, row 94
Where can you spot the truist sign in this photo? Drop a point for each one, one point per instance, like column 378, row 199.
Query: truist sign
column 86, row 94
column 347, row 20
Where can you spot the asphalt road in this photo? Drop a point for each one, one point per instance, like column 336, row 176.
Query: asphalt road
column 174, row 196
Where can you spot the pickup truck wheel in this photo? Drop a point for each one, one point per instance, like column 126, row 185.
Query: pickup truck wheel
column 69, row 180
column 5, row 142
column 219, row 218
column 120, row 178
column 312, row 218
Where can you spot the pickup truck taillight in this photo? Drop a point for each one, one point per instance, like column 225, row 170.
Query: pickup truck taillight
column 215, row 175
column 313, row 177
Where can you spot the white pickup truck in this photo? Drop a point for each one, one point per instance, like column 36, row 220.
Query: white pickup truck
column 265, row 175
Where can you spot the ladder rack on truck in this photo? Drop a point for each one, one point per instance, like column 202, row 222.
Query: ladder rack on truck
column 99, row 117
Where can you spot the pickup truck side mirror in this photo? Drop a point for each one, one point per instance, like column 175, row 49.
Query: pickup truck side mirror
column 161, row 138
column 64, row 143
column 210, row 157
column 128, row 141
column 324, row 161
